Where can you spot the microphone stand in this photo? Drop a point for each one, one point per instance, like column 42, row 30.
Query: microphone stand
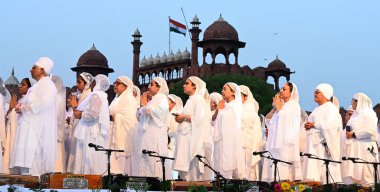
column 375, row 164
column 108, row 152
column 275, row 161
column 218, row 176
column 162, row 159
column 327, row 161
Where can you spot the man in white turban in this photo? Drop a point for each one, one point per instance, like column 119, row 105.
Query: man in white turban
column 152, row 129
column 193, row 123
column 323, row 127
column 36, row 139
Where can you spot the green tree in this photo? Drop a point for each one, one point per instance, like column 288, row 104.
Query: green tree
column 261, row 90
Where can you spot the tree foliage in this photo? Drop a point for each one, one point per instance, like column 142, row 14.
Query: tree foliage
column 261, row 90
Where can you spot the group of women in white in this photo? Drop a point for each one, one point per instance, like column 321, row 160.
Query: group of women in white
column 42, row 133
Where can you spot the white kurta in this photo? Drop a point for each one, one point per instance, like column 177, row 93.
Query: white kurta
column 123, row 132
column 323, row 141
column 252, row 135
column 364, row 126
column 283, row 143
column 190, row 139
column 36, row 137
column 152, row 133
column 92, row 128
column 228, row 151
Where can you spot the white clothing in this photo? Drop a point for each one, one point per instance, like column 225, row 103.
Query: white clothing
column 92, row 128
column 36, row 136
column 123, row 131
column 364, row 124
column 152, row 133
column 324, row 142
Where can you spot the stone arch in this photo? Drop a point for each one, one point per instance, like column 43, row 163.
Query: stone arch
column 147, row 78
column 141, row 79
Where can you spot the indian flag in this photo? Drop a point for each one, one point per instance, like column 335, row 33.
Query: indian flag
column 177, row 27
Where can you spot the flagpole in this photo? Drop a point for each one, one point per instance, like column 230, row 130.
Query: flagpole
column 186, row 24
column 169, row 35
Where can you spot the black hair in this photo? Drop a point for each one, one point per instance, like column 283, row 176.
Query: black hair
column 27, row 82
column 290, row 86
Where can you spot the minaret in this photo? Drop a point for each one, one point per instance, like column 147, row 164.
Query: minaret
column 136, row 54
column 195, row 31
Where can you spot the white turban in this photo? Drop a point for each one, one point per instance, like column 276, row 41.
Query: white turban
column 46, row 63
column 326, row 90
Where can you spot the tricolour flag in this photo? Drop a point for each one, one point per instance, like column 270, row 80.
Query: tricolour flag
column 177, row 27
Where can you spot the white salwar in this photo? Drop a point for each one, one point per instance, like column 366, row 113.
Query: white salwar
column 190, row 135
column 323, row 141
column 228, row 148
column 92, row 128
column 252, row 134
column 35, row 146
column 123, row 129
column 363, row 123
column 152, row 133
column 283, row 141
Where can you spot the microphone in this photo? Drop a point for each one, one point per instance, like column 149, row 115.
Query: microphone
column 350, row 158
column 371, row 150
column 144, row 151
column 94, row 146
column 259, row 152
column 305, row 154
column 199, row 156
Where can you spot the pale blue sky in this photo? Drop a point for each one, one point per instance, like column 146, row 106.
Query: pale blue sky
column 323, row 41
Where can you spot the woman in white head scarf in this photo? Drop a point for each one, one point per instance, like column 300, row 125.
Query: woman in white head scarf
column 228, row 147
column 61, row 114
column 193, row 124
column 152, row 129
column 361, row 141
column 92, row 127
column 251, row 133
column 123, row 127
column 175, row 107
column 283, row 124
column 4, row 105
column 137, row 95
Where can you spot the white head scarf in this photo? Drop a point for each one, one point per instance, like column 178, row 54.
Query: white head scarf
column 178, row 103
column 102, row 83
column 127, row 82
column 57, row 80
column 326, row 90
column 335, row 101
column 88, row 78
column 164, row 89
column 235, row 88
column 200, row 86
column 250, row 99
column 4, row 91
column 216, row 97
column 138, row 94
column 46, row 63
column 364, row 103
column 294, row 95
